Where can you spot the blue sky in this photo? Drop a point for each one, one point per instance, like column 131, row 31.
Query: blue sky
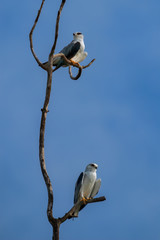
column 110, row 116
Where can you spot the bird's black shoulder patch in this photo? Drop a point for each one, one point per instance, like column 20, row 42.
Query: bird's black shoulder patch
column 79, row 180
column 77, row 187
column 71, row 49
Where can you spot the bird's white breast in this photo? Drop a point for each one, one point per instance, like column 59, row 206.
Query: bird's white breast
column 88, row 183
column 80, row 55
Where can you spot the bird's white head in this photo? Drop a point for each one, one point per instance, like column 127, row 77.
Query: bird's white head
column 78, row 36
column 91, row 167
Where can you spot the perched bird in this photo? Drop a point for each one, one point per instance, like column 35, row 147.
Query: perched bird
column 74, row 51
column 87, row 185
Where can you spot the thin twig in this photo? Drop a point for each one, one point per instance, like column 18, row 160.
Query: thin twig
column 80, row 70
column 56, row 30
column 78, row 74
column 86, row 66
column 30, row 37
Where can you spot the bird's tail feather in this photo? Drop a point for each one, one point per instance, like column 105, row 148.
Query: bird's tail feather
column 75, row 214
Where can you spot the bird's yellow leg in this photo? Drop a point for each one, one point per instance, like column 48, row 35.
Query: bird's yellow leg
column 89, row 198
column 84, row 200
column 75, row 62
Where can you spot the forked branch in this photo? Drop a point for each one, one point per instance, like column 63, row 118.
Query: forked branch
column 51, row 55
column 51, row 219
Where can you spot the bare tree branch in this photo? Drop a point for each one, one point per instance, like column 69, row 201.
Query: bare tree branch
column 41, row 150
column 86, row 66
column 70, row 213
column 42, row 125
column 78, row 74
column 51, row 219
column 57, row 27
column 30, row 37
column 80, row 70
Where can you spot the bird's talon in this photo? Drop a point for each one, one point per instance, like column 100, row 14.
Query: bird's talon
column 89, row 198
column 83, row 199
column 75, row 63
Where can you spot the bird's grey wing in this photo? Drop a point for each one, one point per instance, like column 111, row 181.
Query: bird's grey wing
column 78, row 187
column 96, row 188
column 71, row 49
